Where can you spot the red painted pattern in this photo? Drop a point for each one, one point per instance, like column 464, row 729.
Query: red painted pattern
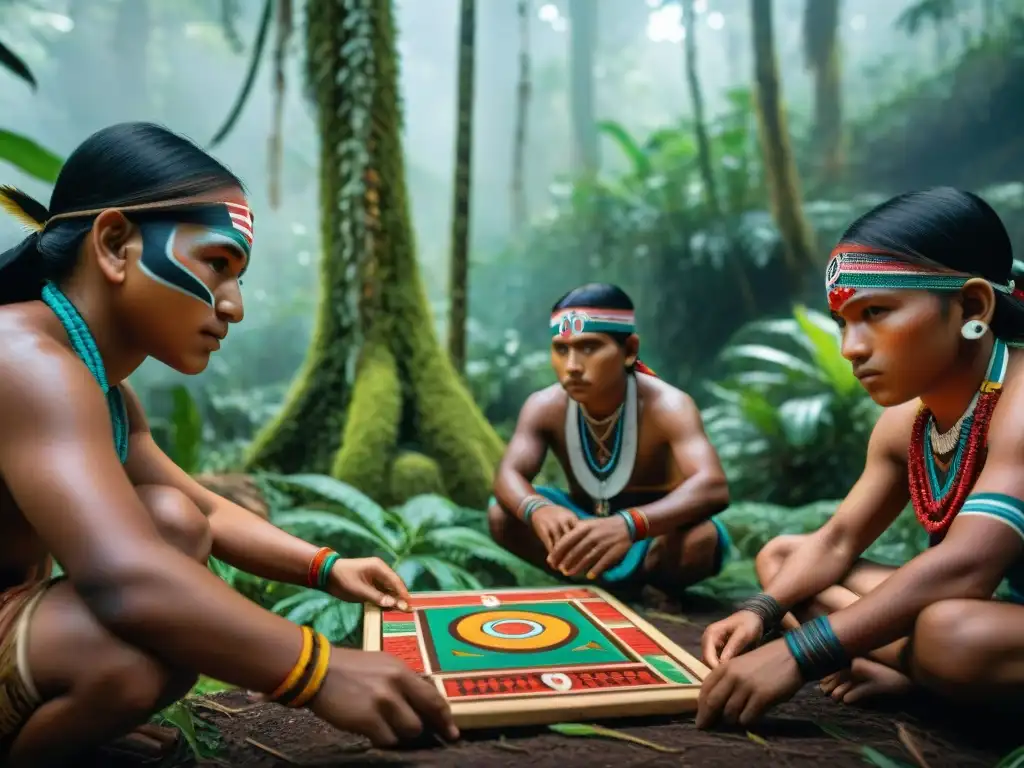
column 605, row 612
column 472, row 686
column 637, row 641
column 396, row 617
column 454, row 601
column 407, row 649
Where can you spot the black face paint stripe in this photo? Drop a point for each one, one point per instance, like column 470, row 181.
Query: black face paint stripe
column 159, row 263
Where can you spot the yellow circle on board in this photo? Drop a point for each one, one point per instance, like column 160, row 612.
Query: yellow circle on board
column 513, row 630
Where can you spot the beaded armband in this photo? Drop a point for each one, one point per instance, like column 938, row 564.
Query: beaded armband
column 816, row 649
column 766, row 608
column 529, row 505
column 320, row 567
column 308, row 674
column 637, row 523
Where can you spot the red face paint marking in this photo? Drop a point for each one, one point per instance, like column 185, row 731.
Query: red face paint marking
column 839, row 296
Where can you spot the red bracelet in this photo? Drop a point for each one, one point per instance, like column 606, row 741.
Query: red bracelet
column 314, row 565
column 640, row 523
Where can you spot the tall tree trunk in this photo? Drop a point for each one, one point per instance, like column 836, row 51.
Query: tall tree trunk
column 697, row 105
column 583, row 40
column 779, row 165
column 458, row 277
column 518, row 191
column 377, row 404
column 822, row 53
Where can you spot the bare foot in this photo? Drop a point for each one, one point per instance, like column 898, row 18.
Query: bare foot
column 863, row 680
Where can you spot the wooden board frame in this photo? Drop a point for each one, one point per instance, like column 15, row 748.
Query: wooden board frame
column 665, row 698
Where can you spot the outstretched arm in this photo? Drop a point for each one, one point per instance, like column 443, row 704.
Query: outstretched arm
column 240, row 538
column 705, row 490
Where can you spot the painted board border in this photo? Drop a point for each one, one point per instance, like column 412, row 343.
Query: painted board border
column 505, row 711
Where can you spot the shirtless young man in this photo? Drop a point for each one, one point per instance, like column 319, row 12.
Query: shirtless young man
column 644, row 482
column 140, row 255
column 922, row 289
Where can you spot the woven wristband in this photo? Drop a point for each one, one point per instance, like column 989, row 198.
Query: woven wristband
column 529, row 505
column 766, row 608
column 816, row 649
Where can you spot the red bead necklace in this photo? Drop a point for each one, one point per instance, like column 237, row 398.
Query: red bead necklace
column 936, row 514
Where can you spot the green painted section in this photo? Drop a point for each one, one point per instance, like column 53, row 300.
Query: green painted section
column 399, row 628
column 438, row 621
column 666, row 666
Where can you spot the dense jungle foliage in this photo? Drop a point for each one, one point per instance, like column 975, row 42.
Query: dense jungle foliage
column 720, row 314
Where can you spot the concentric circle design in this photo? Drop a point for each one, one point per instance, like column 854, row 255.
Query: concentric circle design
column 513, row 631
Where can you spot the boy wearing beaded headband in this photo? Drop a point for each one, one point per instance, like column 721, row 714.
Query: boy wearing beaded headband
column 644, row 482
column 922, row 289
column 141, row 257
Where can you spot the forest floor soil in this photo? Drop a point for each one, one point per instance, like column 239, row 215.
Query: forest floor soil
column 809, row 730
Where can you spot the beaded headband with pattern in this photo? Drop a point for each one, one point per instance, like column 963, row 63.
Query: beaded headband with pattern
column 572, row 322
column 853, row 266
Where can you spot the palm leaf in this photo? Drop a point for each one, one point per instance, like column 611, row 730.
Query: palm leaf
column 10, row 61
column 338, row 621
column 634, row 153
column 29, row 157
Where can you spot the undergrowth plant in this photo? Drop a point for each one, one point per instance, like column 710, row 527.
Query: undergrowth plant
column 430, row 542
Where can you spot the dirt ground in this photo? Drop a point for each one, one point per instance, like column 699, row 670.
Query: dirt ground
column 810, row 730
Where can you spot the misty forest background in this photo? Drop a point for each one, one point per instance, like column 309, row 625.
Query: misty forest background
column 428, row 177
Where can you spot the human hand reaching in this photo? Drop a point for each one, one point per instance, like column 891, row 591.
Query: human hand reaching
column 375, row 695
column 368, row 579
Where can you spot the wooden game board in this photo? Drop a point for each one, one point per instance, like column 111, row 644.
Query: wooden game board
column 537, row 656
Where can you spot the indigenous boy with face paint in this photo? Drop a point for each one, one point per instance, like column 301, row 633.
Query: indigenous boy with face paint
column 922, row 289
column 644, row 482
column 139, row 255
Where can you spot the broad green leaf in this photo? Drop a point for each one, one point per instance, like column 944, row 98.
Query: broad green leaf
column 828, row 354
column 179, row 715
column 303, row 607
column 789, row 363
column 369, row 512
column 1014, row 759
column 28, row 156
column 338, row 621
column 448, row 575
column 321, row 526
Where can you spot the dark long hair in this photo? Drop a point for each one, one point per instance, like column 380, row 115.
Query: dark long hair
column 950, row 228
column 602, row 296
column 122, row 165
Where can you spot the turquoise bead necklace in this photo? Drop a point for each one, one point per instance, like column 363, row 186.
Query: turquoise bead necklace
column 84, row 344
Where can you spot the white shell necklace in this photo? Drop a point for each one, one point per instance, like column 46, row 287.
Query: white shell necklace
column 605, row 482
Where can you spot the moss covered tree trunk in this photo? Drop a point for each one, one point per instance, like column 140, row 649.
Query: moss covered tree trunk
column 822, row 51
column 459, row 265
column 377, row 403
column 780, row 167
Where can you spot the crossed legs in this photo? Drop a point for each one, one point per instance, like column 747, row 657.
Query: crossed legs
column 95, row 687
column 967, row 649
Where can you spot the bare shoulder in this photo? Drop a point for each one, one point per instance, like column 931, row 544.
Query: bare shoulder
column 545, row 408
column 674, row 411
column 39, row 372
column 890, row 437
